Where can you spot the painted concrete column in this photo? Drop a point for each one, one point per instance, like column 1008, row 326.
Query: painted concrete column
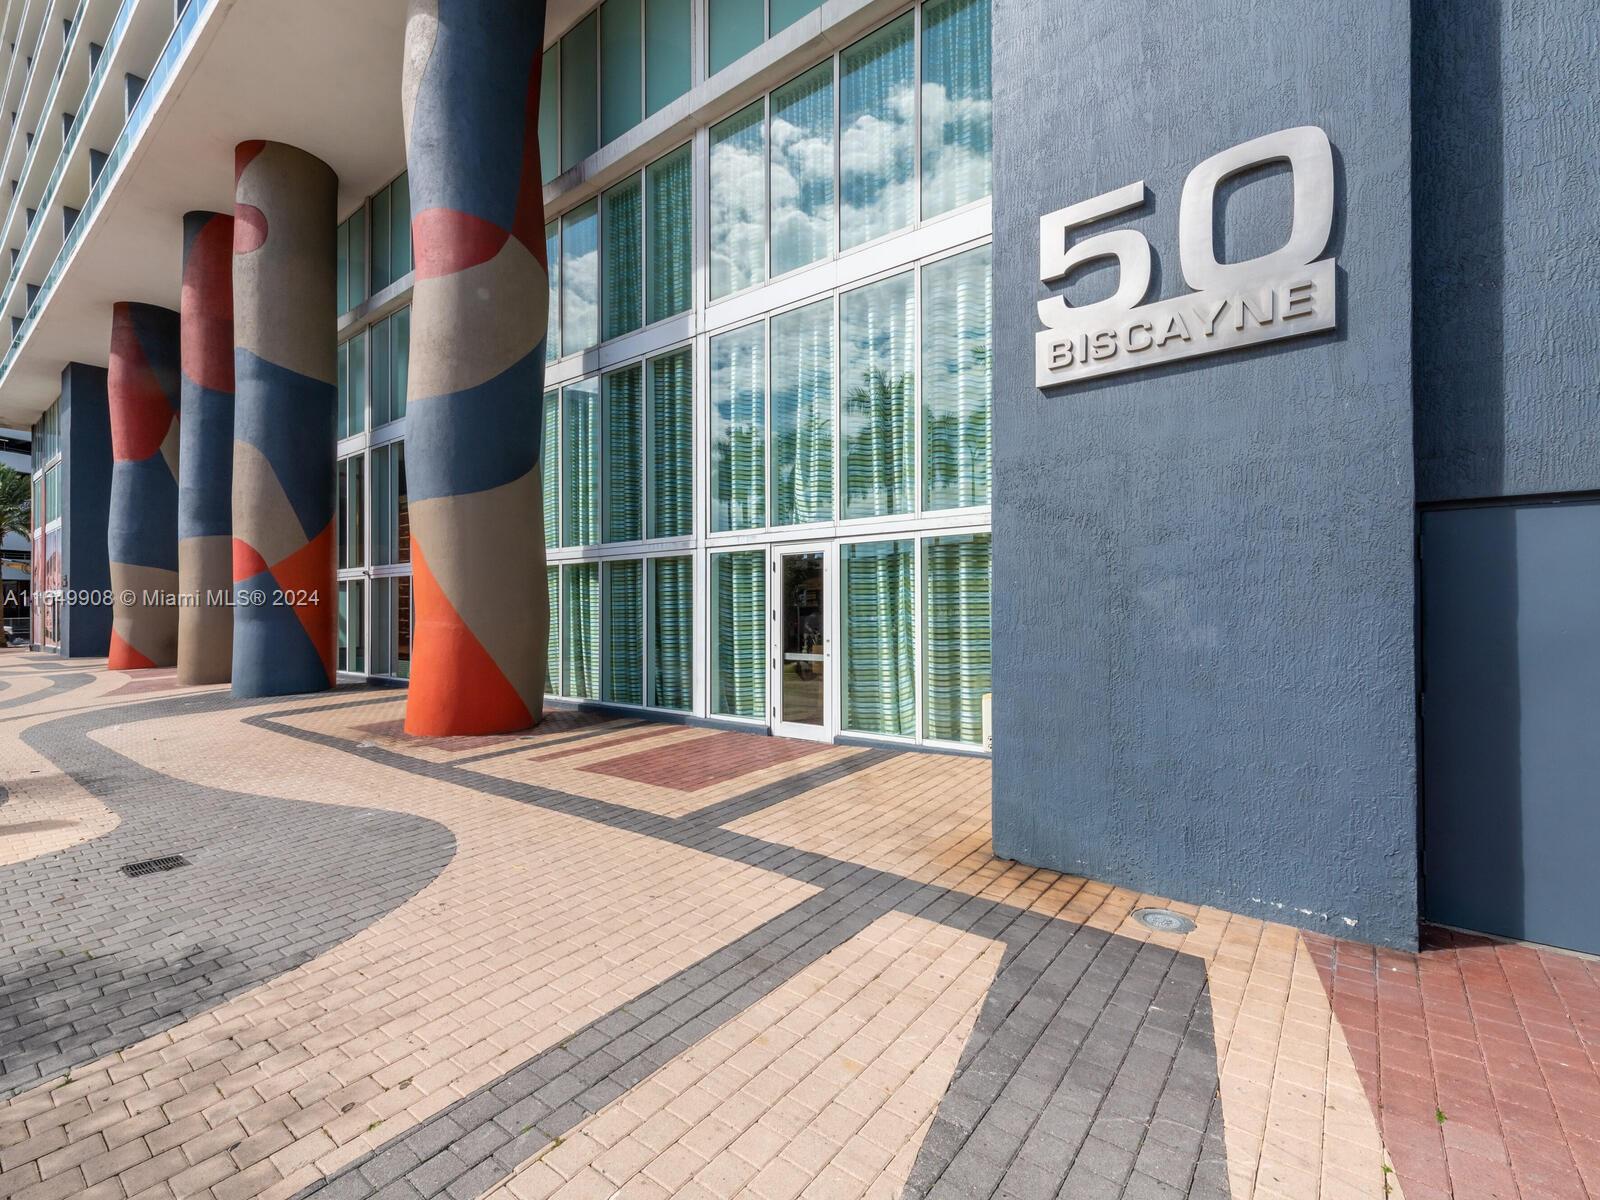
column 478, row 318
column 283, row 421
column 205, row 467
column 142, row 529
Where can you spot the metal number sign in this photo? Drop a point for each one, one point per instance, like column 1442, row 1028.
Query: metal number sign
column 1278, row 295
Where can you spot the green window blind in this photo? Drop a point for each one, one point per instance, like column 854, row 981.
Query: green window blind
column 623, row 488
column 552, row 664
column 738, row 202
column 957, row 380
column 624, row 632
column 622, row 286
column 671, row 631
column 877, row 82
column 550, row 114
column 672, row 445
column 802, row 415
column 580, row 654
column 737, row 27
column 879, row 424
column 880, row 689
column 956, row 618
column 802, row 170
column 739, row 625
column 666, row 52
column 669, row 185
column 552, row 251
column 580, row 278
column 580, row 101
column 621, row 63
column 738, row 438
column 956, row 139
column 580, row 463
column 550, row 468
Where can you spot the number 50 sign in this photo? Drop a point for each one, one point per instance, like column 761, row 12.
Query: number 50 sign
column 1277, row 295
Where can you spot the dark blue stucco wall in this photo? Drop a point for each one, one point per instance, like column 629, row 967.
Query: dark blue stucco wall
column 1507, row 202
column 1204, row 577
column 86, row 506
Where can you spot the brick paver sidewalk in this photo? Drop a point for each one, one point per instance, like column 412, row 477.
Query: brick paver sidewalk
column 620, row 958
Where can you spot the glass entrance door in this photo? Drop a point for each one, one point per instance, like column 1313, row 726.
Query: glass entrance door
column 802, row 665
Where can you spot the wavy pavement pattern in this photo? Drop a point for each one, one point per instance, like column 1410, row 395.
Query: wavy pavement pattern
column 478, row 319
column 284, row 630
column 205, row 468
column 142, row 529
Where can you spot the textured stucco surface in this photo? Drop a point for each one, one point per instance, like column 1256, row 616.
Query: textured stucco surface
column 1507, row 153
column 1203, row 573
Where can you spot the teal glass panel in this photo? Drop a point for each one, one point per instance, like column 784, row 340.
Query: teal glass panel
column 580, row 463
column 877, row 134
column 880, row 655
column 739, row 633
column 341, row 268
column 879, row 424
column 737, row 27
column 550, row 114
column 381, row 246
column 622, row 393
column 552, row 662
column 356, row 288
column 580, row 653
column 802, row 170
column 358, row 382
column 671, row 445
column 620, row 252
column 738, row 202
column 957, row 629
column 957, row 380
column 382, row 396
column 550, row 468
column 580, row 99
column 621, row 68
column 671, row 632
column 802, row 415
column 400, row 358
column 666, row 52
column 624, row 632
column 552, row 250
column 580, row 278
column 669, row 187
column 738, row 429
column 956, row 134
column 786, row 12
column 400, row 226
column 342, row 379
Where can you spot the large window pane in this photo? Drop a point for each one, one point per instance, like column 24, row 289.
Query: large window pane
column 624, row 632
column 341, row 269
column 669, row 183
column 737, row 27
column 380, row 371
column 880, row 689
column 671, row 631
column 738, row 438
column 621, row 68
column 391, row 519
column 671, row 445
column 580, row 277
column 620, row 252
column 400, row 227
column 352, row 625
column 352, row 385
column 956, row 620
column 877, row 115
column 580, row 653
column 802, row 415
column 738, row 202
column 550, row 467
column 624, row 475
column 552, row 251
column 391, row 626
column 957, row 380
column 580, row 463
column 381, row 275
column 552, row 664
column 352, row 511
column 356, row 290
column 879, row 425
column 666, row 52
column 550, row 114
column 580, row 116
column 739, row 633
column 786, row 12
column 400, row 360
column 390, row 351
column 955, row 104
column 802, row 170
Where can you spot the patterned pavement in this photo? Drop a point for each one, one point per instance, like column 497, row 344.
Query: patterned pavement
column 620, row 958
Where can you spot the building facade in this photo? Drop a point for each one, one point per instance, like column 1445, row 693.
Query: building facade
column 801, row 469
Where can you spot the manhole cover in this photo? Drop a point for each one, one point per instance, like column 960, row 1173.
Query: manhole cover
column 1163, row 920
column 151, row 866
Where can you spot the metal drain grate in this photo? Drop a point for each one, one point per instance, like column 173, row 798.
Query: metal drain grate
column 1163, row 920
column 152, row 865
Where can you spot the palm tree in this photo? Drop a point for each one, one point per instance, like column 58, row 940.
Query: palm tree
column 16, row 497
